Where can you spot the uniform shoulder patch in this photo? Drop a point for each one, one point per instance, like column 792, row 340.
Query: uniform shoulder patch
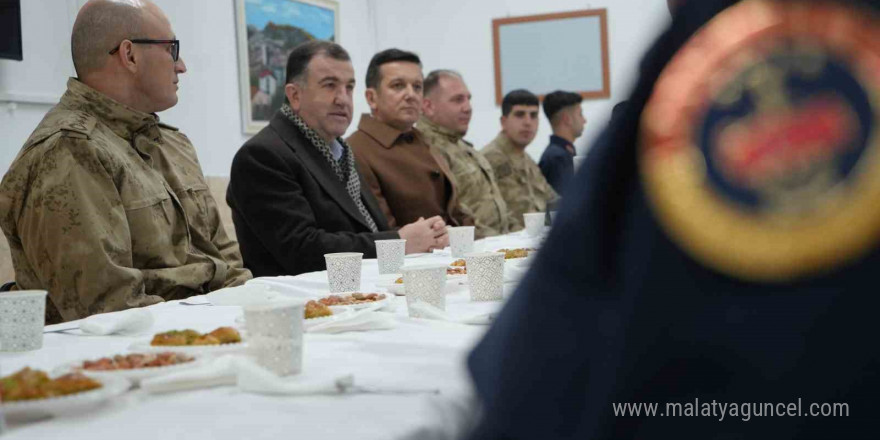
column 760, row 149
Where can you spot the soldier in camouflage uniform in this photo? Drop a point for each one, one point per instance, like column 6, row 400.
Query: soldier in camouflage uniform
column 445, row 120
column 105, row 207
column 522, row 184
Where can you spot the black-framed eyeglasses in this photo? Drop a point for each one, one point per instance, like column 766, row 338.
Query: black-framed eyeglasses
column 175, row 46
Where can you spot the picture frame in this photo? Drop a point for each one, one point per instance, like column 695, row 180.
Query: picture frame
column 266, row 32
column 573, row 46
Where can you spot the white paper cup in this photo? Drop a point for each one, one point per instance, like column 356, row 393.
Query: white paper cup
column 281, row 356
column 22, row 318
column 390, row 254
column 344, row 271
column 280, row 320
column 425, row 283
column 534, row 223
column 461, row 240
column 485, row 272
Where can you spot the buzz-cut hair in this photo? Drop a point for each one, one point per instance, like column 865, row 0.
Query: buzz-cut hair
column 301, row 56
column 517, row 97
column 374, row 76
column 556, row 101
column 433, row 79
column 100, row 28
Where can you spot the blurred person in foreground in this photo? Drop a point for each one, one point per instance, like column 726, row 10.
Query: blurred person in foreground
column 410, row 179
column 446, row 115
column 295, row 191
column 522, row 185
column 717, row 263
column 106, row 207
column 563, row 110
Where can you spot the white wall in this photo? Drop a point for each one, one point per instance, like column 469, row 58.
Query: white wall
column 446, row 33
column 457, row 34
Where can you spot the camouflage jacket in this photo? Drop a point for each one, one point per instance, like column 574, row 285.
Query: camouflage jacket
column 478, row 192
column 522, row 185
column 107, row 209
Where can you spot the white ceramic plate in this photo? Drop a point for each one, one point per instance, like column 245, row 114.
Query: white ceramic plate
column 378, row 305
column 307, row 323
column 134, row 375
column 392, row 287
column 86, row 401
column 193, row 350
column 336, row 316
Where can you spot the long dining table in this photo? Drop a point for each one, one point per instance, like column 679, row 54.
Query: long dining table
column 410, row 375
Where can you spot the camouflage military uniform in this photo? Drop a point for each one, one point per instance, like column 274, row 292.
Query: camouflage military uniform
column 522, row 185
column 479, row 195
column 106, row 208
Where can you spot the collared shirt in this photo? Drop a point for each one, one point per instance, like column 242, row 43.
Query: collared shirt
column 408, row 178
column 557, row 162
column 336, row 149
column 107, row 209
column 478, row 192
column 522, row 185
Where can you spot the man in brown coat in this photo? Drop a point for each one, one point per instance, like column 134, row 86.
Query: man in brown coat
column 410, row 179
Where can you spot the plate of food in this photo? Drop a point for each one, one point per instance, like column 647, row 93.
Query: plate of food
column 510, row 254
column 32, row 394
column 393, row 285
column 318, row 313
column 355, row 301
column 457, row 271
column 220, row 340
column 134, row 367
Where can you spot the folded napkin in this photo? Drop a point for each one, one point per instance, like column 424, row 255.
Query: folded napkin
column 248, row 294
column 242, row 371
column 430, row 312
column 126, row 322
column 515, row 270
column 445, row 252
column 301, row 286
column 356, row 321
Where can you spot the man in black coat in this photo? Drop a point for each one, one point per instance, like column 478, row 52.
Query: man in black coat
column 715, row 280
column 294, row 189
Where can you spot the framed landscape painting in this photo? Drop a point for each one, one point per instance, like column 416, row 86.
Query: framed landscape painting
column 267, row 30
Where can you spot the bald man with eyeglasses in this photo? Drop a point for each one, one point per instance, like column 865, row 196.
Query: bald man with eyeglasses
column 105, row 206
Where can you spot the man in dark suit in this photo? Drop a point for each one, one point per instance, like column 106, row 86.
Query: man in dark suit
column 295, row 191
column 715, row 272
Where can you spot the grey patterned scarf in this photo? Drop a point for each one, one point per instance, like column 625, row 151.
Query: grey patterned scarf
column 345, row 170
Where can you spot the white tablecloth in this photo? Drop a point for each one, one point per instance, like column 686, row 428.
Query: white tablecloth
column 417, row 354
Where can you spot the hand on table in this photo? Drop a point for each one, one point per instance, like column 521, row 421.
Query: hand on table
column 424, row 235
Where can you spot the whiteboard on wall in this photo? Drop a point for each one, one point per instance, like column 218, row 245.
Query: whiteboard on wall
column 542, row 53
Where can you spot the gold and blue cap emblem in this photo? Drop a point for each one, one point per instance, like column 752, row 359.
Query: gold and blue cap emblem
column 760, row 146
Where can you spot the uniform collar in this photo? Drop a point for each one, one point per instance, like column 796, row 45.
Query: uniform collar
column 120, row 118
column 506, row 145
column 562, row 142
column 384, row 134
column 426, row 125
